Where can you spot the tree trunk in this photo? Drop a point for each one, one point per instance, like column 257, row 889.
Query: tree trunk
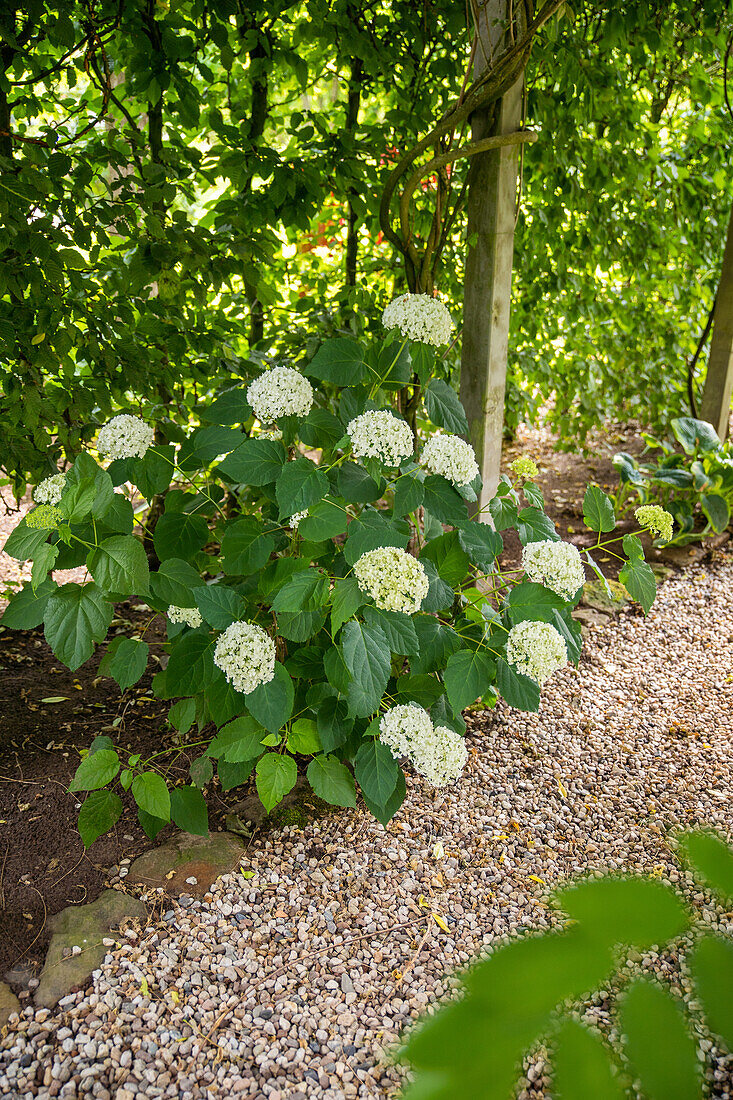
column 352, row 118
column 487, row 294
column 716, row 395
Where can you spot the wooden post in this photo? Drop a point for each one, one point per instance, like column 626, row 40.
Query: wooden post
column 487, row 293
column 716, row 394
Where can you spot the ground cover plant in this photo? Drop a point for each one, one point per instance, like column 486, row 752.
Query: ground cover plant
column 528, row 991
column 329, row 596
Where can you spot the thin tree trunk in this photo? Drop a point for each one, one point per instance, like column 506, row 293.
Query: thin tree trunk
column 352, row 118
column 716, row 395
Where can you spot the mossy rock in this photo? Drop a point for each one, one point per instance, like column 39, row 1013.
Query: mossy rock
column 298, row 808
column 596, row 596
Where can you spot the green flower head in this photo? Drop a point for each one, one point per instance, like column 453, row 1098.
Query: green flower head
column 524, row 468
column 44, row 518
column 656, row 519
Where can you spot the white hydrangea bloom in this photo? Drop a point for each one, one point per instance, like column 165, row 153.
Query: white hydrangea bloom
column 246, row 656
column 381, row 435
column 125, row 436
column 280, row 391
column 443, row 757
column 419, row 317
column 50, row 490
column 393, row 578
column 557, row 564
column 451, row 457
column 271, row 433
column 191, row 616
column 296, row 518
column 657, row 519
column 536, row 650
column 404, row 727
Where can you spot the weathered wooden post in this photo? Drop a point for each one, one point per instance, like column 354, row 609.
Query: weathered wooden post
column 487, row 296
column 716, row 394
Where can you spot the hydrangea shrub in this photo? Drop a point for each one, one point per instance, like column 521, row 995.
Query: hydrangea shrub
column 331, row 599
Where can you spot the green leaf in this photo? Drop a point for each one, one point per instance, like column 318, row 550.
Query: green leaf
column 191, row 665
column 254, row 462
column 408, row 494
column 220, row 606
column 443, row 502
column 298, row 626
column 598, row 513
column 332, row 781
column 27, row 608
column 201, row 771
column 534, row 526
column 43, row 561
column 96, row 770
column 153, row 472
column 658, row 1044
column 346, row 599
column 230, row 407
column 503, row 511
column 448, row 557
column 711, row 859
column 397, row 628
column 339, row 361
column 151, row 824
column 325, row 520
column 421, row 688
column 238, row 740
column 234, row 775
column 120, row 565
column 637, row 575
column 272, row 703
column 179, row 535
column 100, row 811
column 376, row 771
column 695, row 435
column 79, row 499
column 384, row 812
column 583, row 1066
column 436, row 643
column 716, row 511
column 356, row 485
column 206, row 444
column 468, row 675
column 334, row 723
column 367, row 657
column 275, row 776
column 306, row 591
column 320, row 428
column 151, row 794
column 519, row 691
column 365, row 534
column 300, row 485
column 304, row 737
column 76, row 617
column 182, row 714
column 711, row 965
column 440, row 594
column 126, row 662
column 188, row 810
column 533, row 602
column 245, row 547
column 174, row 583
column 444, row 408
column 481, row 543
column 24, row 541
column 632, row 911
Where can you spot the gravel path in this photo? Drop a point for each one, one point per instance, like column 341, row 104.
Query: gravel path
column 292, row 979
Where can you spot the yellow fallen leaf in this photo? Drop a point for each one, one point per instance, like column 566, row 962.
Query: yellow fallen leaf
column 144, row 987
column 175, row 996
column 440, row 922
column 536, row 878
column 562, row 788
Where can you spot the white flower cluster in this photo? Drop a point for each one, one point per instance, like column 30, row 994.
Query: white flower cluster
column 393, row 578
column 657, row 519
column 296, row 518
column 557, row 564
column 191, row 616
column 419, row 317
column 125, row 436
column 280, row 391
column 50, row 490
column 246, row 656
column 271, row 433
column 451, row 457
column 536, row 650
column 381, row 435
column 436, row 752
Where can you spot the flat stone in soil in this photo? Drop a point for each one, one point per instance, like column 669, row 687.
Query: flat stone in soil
column 9, row 1003
column 84, row 927
column 187, row 864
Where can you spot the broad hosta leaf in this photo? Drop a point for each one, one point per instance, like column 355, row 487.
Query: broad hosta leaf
column 100, row 811
column 219, row 605
column 367, row 657
column 712, row 968
column 120, row 565
column 346, row 599
column 716, row 510
column 658, row 1044
column 481, row 543
column 125, row 661
column 76, row 617
column 27, row 608
column 299, row 486
column 276, row 775
column 376, row 771
column 332, row 781
column 598, row 513
column 151, row 794
column 519, row 691
column 339, row 361
column 174, row 583
column 443, row 502
column 254, row 462
column 583, row 1066
column 179, row 535
column 188, row 810
column 695, row 435
column 444, row 408
column 712, row 860
column 245, row 547
column 96, row 770
column 272, row 703
column 637, row 575
column 468, row 675
column 398, row 629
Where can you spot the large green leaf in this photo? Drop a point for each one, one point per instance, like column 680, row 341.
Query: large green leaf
column 598, row 513
column 332, row 781
column 190, row 668
column 89, row 486
column 448, row 557
column 695, row 435
column 206, row 444
column 534, row 526
column 637, row 575
column 534, row 602
column 468, row 675
column 356, row 485
column 151, row 794
column 339, row 361
column 367, row 657
column 174, row 583
column 305, row 591
column 272, row 703
column 99, row 813
column 96, row 770
column 631, row 911
column 583, row 1066
column 298, row 626
column 153, row 473
column 482, row 544
column 346, row 599
column 716, row 510
column 299, row 486
column 125, row 661
column 519, row 691
column 27, row 608
column 120, row 565
column 276, row 775
column 76, row 617
column 325, row 520
column 398, row 629
column 443, row 502
column 444, row 408
column 220, row 606
column 711, row 859
column 376, row 771
column 188, row 810
column 408, row 494
column 254, row 462
column 436, row 642
column 711, row 965
column 658, row 1045
column 245, row 547
column 179, row 535
column 24, row 541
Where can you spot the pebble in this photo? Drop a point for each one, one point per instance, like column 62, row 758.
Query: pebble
column 297, row 981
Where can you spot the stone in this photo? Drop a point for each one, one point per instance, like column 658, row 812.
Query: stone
column 596, row 596
column 84, row 926
column 9, row 1003
column 299, row 807
column 188, row 864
